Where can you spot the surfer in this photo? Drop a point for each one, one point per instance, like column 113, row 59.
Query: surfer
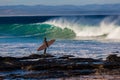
column 45, row 45
column 45, row 42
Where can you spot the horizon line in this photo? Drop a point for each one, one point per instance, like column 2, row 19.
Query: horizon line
column 59, row 5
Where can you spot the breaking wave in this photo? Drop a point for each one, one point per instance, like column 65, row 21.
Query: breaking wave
column 107, row 28
column 34, row 30
column 66, row 27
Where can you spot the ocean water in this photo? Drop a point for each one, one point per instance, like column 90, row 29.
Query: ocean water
column 91, row 36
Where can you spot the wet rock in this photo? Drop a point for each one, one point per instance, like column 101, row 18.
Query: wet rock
column 80, row 72
column 84, row 59
column 116, row 52
column 49, row 66
column 110, row 65
column 66, row 56
column 9, row 66
column 40, row 56
column 1, row 58
column 58, row 66
column 57, row 74
column 45, row 75
column 1, row 77
column 107, row 71
column 113, row 58
column 8, row 58
column 14, row 76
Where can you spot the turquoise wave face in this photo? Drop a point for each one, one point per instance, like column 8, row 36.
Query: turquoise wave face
column 35, row 30
column 91, row 27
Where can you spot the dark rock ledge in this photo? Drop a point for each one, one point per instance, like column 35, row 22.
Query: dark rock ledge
column 49, row 66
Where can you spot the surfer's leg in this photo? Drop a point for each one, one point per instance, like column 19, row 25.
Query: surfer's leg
column 45, row 50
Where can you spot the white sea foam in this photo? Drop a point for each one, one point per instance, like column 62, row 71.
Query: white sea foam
column 78, row 48
column 107, row 28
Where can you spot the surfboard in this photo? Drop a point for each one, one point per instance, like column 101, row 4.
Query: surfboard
column 43, row 46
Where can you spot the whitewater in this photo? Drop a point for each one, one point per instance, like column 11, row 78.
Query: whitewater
column 108, row 28
column 94, row 36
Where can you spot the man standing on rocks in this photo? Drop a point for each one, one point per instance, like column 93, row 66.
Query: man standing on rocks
column 45, row 42
column 45, row 45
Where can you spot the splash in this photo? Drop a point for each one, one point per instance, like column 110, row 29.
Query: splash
column 107, row 28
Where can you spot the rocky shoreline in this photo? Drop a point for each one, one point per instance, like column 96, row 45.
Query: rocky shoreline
column 48, row 66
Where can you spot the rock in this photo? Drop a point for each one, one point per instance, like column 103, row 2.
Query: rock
column 14, row 76
column 49, row 66
column 116, row 52
column 45, row 75
column 40, row 56
column 8, row 58
column 113, row 58
column 66, row 56
column 1, row 58
column 83, row 59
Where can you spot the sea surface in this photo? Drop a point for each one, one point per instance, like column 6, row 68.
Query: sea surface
column 89, row 36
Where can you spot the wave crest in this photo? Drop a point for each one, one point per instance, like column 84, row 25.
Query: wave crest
column 67, row 27
column 86, row 27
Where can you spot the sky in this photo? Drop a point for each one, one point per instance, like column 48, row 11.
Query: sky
column 57, row 2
